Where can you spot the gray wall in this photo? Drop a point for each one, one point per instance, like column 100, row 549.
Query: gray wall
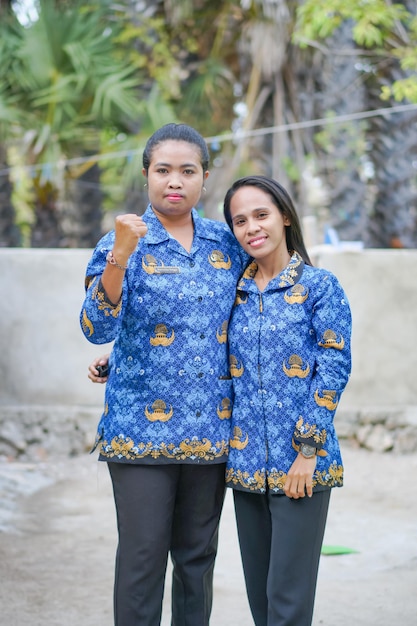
column 382, row 289
column 44, row 356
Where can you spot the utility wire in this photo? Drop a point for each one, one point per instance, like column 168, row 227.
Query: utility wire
column 236, row 136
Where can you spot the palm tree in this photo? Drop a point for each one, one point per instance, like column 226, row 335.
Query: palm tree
column 202, row 38
column 9, row 232
column 199, row 56
column 284, row 84
column 67, row 78
column 340, row 148
column 392, row 141
column 269, row 65
column 386, row 33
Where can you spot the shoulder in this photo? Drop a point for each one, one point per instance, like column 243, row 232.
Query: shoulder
column 210, row 227
column 218, row 236
column 104, row 244
column 319, row 275
column 320, row 279
column 98, row 257
column 215, row 230
column 106, row 241
column 325, row 288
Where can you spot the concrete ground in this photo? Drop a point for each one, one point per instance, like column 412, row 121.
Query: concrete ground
column 58, row 539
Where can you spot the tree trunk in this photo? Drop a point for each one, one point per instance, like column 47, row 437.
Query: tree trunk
column 393, row 149
column 341, row 161
column 9, row 231
column 81, row 210
column 46, row 230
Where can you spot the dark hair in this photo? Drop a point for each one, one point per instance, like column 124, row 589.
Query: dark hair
column 176, row 132
column 284, row 204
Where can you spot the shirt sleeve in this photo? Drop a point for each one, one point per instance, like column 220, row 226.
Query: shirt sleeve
column 100, row 319
column 332, row 325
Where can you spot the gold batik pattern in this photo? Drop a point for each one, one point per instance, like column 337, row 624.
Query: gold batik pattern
column 331, row 477
column 104, row 305
column 276, row 479
column 125, row 447
column 256, row 482
column 306, row 432
column 218, row 260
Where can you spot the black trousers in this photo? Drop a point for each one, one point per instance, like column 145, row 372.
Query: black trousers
column 280, row 542
column 162, row 509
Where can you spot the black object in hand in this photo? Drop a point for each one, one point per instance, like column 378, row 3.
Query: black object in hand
column 103, row 370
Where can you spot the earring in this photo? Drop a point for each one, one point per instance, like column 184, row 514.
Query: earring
column 145, row 186
column 204, row 189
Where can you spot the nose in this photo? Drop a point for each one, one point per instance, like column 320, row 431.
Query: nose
column 175, row 182
column 253, row 226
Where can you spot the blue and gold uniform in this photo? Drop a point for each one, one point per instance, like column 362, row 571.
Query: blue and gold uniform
column 290, row 362
column 168, row 396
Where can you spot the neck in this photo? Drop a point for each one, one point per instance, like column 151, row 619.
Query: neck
column 174, row 220
column 269, row 268
column 181, row 227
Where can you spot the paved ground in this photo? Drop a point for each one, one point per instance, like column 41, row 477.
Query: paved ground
column 57, row 547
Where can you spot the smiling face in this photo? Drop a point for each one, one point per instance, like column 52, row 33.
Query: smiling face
column 258, row 225
column 175, row 178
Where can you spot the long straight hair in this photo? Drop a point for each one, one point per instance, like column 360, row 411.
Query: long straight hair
column 284, row 204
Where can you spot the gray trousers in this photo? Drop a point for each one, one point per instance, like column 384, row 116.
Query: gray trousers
column 280, row 543
column 162, row 509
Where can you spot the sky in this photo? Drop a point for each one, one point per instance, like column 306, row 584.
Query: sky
column 25, row 11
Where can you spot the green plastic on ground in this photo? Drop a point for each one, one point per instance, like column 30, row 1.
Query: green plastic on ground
column 330, row 550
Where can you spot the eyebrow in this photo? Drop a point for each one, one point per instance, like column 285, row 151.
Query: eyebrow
column 161, row 163
column 259, row 208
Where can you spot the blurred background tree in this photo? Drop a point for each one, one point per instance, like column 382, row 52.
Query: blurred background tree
column 303, row 91
column 375, row 42
column 9, row 230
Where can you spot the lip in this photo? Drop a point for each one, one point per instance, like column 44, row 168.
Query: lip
column 174, row 197
column 256, row 242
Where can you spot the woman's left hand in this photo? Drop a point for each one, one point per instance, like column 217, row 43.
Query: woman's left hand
column 300, row 477
column 93, row 373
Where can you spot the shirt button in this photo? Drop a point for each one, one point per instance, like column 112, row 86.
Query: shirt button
column 200, row 298
column 192, row 263
column 202, row 336
column 200, row 374
column 198, row 413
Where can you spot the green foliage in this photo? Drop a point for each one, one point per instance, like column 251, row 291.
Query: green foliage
column 388, row 29
column 405, row 89
column 147, row 46
column 63, row 74
column 373, row 21
column 291, row 169
column 124, row 172
column 23, row 196
column 207, row 96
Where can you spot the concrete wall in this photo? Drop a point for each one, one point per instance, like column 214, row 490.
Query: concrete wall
column 379, row 407
column 44, row 356
column 43, row 353
column 382, row 289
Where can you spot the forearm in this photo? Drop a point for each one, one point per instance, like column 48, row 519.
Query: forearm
column 112, row 281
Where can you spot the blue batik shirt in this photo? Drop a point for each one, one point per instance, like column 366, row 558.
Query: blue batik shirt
column 169, row 395
column 290, row 361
